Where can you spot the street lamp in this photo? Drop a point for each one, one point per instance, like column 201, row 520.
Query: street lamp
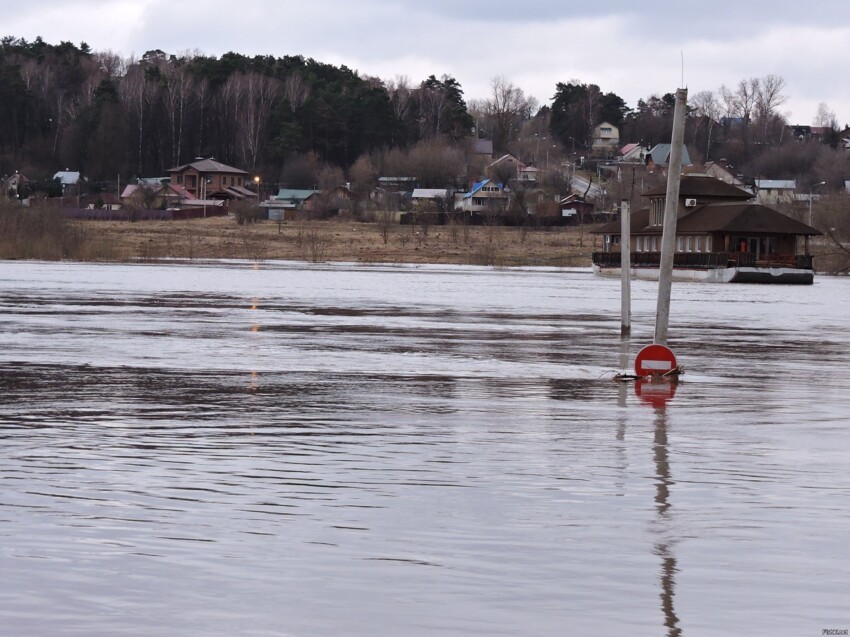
column 205, row 181
column 537, row 146
column 547, row 158
column 821, row 183
column 257, row 184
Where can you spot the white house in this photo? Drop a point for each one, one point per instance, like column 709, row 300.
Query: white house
column 606, row 139
column 770, row 192
column 484, row 196
column 438, row 197
column 69, row 180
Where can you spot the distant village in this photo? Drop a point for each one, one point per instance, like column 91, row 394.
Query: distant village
column 165, row 136
column 590, row 188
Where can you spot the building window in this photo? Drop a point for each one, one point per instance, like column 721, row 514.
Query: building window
column 179, row 179
column 680, row 243
column 639, row 244
column 688, row 244
column 708, row 243
column 697, row 244
column 656, row 217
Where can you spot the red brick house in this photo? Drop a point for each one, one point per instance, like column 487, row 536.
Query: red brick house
column 210, row 179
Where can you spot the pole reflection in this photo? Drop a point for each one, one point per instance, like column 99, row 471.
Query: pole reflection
column 657, row 394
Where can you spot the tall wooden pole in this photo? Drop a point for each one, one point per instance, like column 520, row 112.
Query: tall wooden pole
column 671, row 209
column 625, row 268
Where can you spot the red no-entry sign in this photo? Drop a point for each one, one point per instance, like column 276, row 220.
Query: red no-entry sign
column 654, row 360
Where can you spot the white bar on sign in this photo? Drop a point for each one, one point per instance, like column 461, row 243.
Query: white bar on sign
column 656, row 364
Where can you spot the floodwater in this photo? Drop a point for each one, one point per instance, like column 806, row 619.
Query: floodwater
column 225, row 448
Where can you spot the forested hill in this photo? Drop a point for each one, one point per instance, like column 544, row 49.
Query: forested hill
column 65, row 105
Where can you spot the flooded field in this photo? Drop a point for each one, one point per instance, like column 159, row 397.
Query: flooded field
column 281, row 449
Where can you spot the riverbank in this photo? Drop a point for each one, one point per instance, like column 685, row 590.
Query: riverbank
column 341, row 240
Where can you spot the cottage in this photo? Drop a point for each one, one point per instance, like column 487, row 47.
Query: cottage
column 509, row 167
column 69, row 180
column 293, row 199
column 484, row 196
column 210, row 179
column 723, row 171
column 659, row 156
column 14, row 186
column 771, row 192
column 632, row 153
column 435, row 198
column 722, row 235
column 606, row 138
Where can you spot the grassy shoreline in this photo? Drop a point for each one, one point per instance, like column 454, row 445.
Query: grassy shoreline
column 46, row 235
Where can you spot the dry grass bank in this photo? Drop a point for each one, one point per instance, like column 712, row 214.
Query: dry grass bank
column 338, row 240
column 45, row 234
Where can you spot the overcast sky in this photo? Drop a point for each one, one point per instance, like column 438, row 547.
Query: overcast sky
column 634, row 49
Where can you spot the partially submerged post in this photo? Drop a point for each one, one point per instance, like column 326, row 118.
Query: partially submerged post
column 625, row 268
column 671, row 209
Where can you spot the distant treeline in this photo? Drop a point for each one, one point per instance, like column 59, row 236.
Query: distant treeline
column 66, row 106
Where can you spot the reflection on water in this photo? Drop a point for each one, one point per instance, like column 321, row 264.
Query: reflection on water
column 663, row 547
column 205, row 449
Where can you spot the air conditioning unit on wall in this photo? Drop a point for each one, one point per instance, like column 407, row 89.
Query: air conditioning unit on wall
column 690, row 203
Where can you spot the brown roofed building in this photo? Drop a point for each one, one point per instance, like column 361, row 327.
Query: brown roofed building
column 210, row 179
column 721, row 235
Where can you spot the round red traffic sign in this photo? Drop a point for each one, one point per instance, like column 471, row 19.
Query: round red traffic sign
column 655, row 360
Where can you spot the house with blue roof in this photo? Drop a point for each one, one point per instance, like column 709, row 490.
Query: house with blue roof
column 485, row 196
column 660, row 156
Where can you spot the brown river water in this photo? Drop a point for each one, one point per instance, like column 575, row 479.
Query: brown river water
column 225, row 448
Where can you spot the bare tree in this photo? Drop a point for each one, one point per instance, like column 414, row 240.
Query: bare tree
column 433, row 102
column 436, row 164
column 137, row 92
column 707, row 106
column 330, row 178
column 768, row 98
column 244, row 104
column 260, row 93
column 400, row 95
column 110, row 64
column 506, row 109
column 746, row 98
column 825, row 117
column 295, row 90
column 180, row 95
column 363, row 177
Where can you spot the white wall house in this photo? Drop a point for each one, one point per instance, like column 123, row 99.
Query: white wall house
column 770, row 192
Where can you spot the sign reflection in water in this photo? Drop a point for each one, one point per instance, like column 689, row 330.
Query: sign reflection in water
column 204, row 449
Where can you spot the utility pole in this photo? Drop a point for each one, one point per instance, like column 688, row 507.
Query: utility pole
column 671, row 209
column 625, row 269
